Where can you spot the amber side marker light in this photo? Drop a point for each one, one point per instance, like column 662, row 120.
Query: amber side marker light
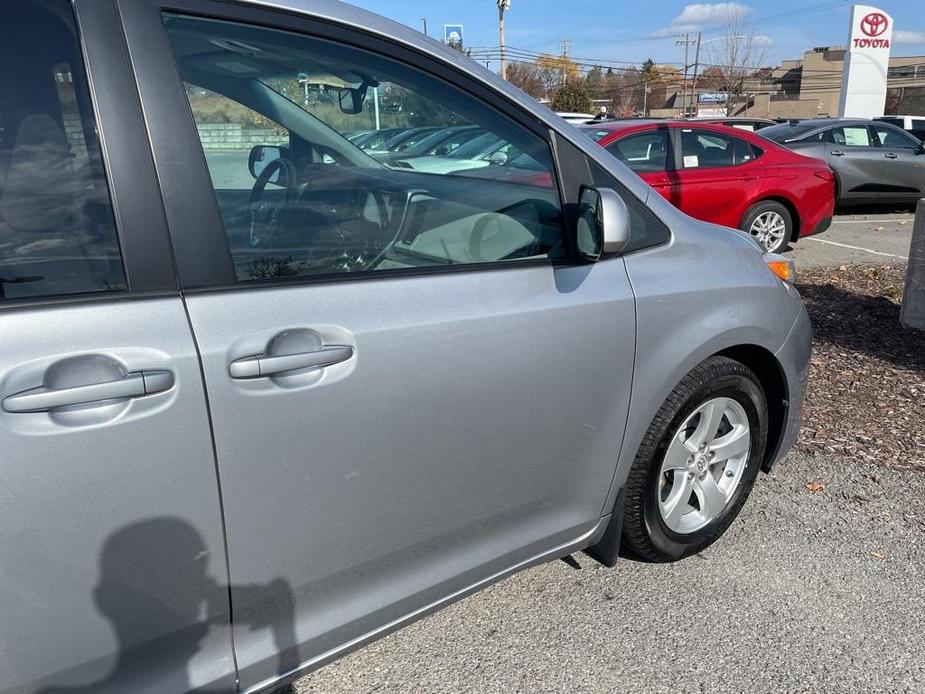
column 783, row 267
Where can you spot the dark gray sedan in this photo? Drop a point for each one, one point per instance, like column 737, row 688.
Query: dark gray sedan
column 873, row 161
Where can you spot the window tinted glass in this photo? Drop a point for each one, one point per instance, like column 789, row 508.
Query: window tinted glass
column 328, row 205
column 889, row 137
column 57, row 234
column 849, row 136
column 703, row 149
column 787, row 132
column 645, row 152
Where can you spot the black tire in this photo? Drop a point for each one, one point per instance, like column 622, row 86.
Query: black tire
column 645, row 534
column 759, row 209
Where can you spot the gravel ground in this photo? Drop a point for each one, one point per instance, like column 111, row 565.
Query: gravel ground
column 866, row 397
column 810, row 591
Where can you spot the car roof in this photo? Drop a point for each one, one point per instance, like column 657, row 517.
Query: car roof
column 620, row 124
column 732, row 119
column 792, row 131
column 643, row 123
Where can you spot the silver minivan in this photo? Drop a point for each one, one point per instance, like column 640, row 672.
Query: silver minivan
column 264, row 399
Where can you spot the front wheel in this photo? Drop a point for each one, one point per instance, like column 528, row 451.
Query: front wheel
column 771, row 225
column 697, row 463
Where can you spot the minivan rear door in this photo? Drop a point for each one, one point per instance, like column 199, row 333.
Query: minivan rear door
column 112, row 564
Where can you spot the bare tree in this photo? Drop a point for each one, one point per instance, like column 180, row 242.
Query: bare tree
column 737, row 54
column 527, row 76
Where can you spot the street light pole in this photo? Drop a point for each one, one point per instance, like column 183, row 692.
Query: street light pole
column 503, row 6
column 424, row 21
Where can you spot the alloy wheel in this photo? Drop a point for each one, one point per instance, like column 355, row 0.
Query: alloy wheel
column 703, row 465
column 770, row 229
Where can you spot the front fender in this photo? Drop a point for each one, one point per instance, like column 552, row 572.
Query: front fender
column 705, row 292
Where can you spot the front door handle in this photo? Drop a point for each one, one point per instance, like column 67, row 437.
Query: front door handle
column 264, row 365
column 891, row 155
column 837, row 153
column 134, row 385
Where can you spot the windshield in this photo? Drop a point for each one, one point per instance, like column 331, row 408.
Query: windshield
column 478, row 147
column 443, row 141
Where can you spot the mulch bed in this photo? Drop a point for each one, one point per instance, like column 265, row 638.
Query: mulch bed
column 866, row 397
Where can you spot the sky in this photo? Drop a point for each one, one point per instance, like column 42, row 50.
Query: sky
column 617, row 34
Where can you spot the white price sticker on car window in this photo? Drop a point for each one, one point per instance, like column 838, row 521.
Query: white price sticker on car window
column 691, row 161
column 857, row 137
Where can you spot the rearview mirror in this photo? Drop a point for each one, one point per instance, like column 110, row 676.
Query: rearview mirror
column 260, row 157
column 603, row 223
column 351, row 99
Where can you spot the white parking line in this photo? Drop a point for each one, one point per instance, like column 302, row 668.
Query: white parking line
column 859, row 248
column 871, row 221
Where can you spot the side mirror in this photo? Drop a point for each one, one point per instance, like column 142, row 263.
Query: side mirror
column 260, row 157
column 351, row 99
column 603, row 223
column 499, row 158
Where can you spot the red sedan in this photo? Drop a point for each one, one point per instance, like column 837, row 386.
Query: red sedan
column 727, row 176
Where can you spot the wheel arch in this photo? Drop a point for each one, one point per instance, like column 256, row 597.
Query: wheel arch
column 796, row 222
column 765, row 366
column 774, row 382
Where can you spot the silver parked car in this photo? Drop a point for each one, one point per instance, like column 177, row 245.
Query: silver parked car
column 264, row 399
column 873, row 161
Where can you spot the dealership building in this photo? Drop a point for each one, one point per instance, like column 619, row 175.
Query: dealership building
column 809, row 87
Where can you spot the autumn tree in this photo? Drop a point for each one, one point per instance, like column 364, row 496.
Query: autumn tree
column 527, row 77
column 556, row 71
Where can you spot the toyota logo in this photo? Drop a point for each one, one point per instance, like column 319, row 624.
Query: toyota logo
column 874, row 24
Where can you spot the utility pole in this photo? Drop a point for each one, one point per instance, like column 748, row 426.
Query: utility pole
column 696, row 70
column 503, row 6
column 687, row 41
column 424, row 21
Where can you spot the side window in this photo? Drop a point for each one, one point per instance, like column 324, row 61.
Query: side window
column 646, row 230
column 705, row 149
column 57, row 231
column 849, row 136
column 228, row 130
column 890, row 137
column 644, row 153
column 328, row 159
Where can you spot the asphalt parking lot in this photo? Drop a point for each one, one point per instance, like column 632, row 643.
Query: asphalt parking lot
column 859, row 235
column 818, row 587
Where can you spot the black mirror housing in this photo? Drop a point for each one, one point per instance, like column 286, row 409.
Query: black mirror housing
column 350, row 99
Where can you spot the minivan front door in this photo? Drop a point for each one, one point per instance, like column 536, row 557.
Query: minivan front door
column 412, row 388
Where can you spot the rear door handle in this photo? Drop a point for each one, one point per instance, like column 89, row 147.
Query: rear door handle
column 134, row 385
column 891, row 155
column 264, row 365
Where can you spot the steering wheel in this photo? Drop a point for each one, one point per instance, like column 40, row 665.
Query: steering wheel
column 266, row 216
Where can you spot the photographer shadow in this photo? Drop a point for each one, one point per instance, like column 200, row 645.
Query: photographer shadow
column 156, row 589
